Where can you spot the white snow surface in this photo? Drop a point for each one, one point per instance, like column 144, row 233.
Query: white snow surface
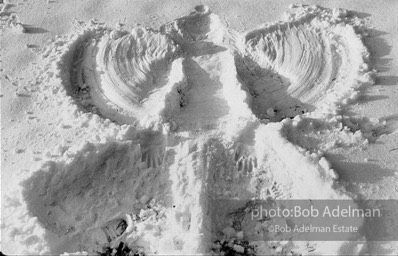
column 177, row 116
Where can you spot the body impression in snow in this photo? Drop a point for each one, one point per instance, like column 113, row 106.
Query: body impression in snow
column 195, row 68
column 202, row 97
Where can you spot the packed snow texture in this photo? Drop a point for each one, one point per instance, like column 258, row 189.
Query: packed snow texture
column 197, row 106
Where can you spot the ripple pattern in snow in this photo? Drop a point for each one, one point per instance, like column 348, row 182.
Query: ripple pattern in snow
column 299, row 66
column 310, row 63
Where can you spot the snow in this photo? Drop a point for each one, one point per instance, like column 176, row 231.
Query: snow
column 129, row 132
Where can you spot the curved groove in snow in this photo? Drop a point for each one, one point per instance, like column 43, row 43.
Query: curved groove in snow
column 314, row 62
column 299, row 66
column 130, row 76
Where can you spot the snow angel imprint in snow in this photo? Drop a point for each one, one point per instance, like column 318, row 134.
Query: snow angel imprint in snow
column 281, row 70
column 195, row 73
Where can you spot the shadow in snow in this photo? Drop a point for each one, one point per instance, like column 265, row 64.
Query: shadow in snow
column 369, row 173
column 386, row 80
column 34, row 30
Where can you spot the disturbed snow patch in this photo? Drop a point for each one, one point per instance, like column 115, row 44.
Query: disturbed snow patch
column 312, row 62
column 159, row 194
column 207, row 94
column 84, row 198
